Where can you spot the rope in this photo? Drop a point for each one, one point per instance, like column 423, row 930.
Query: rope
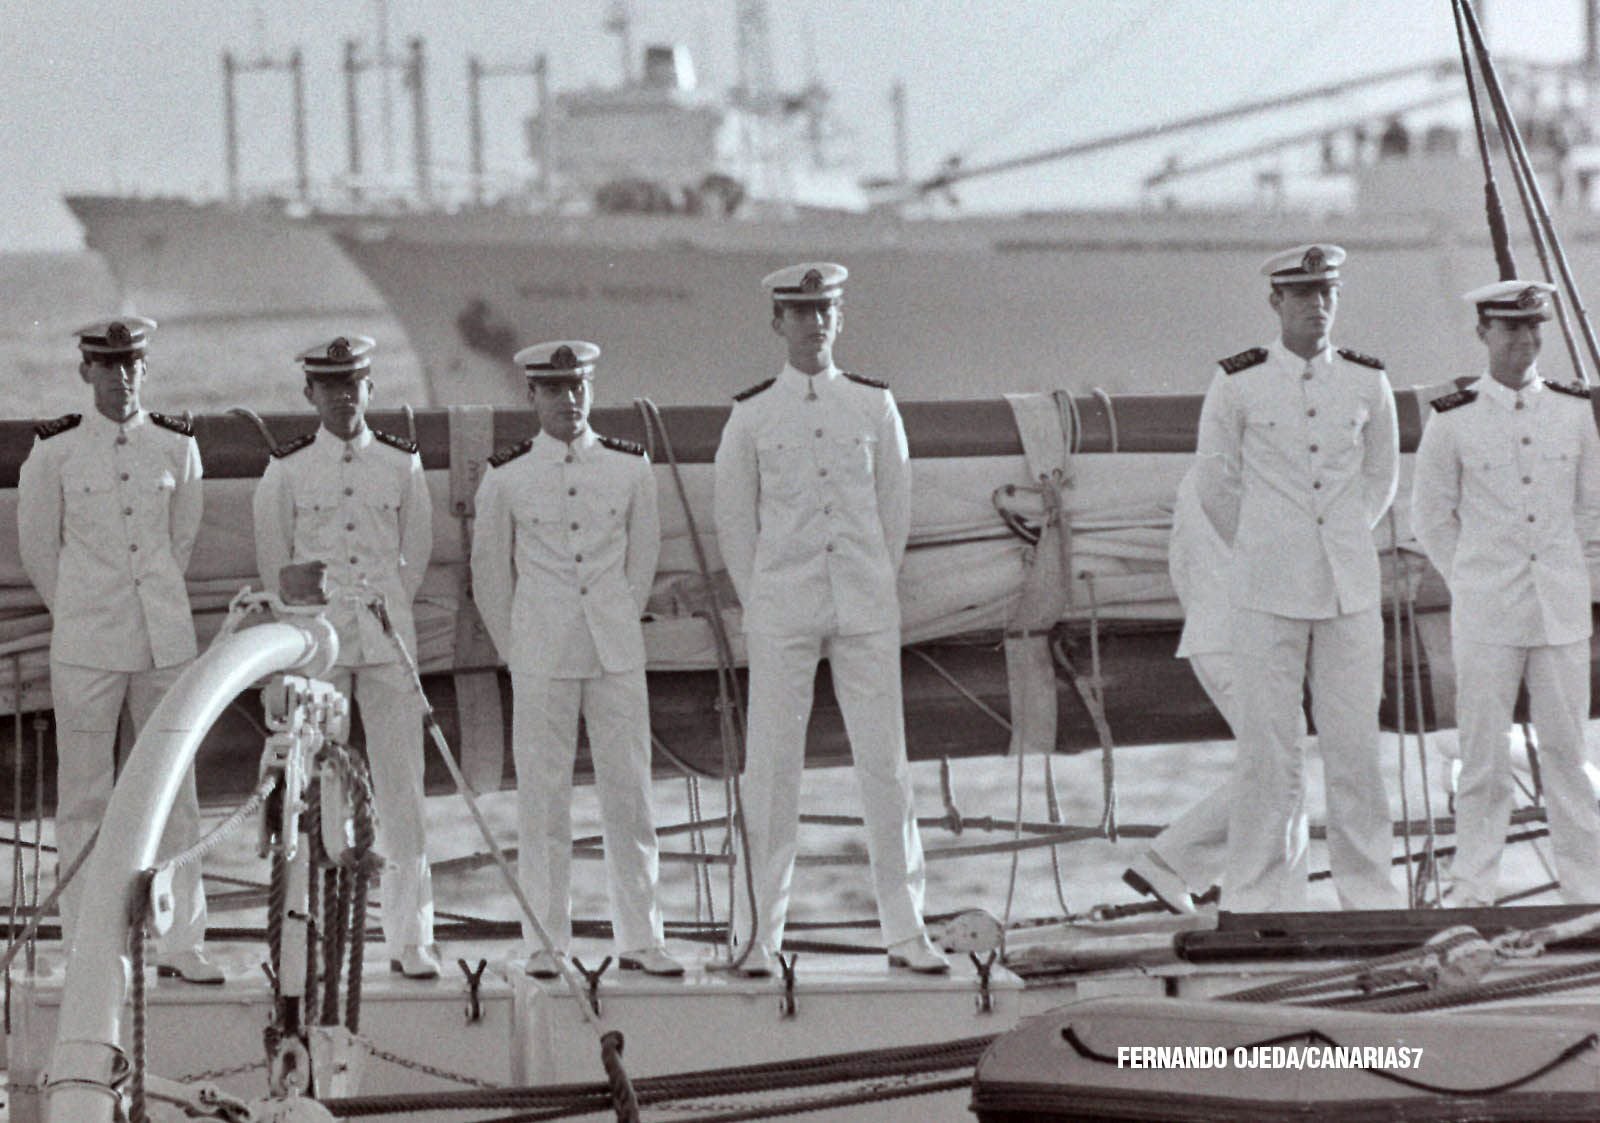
column 214, row 837
column 139, row 914
column 730, row 704
column 1400, row 703
column 1534, row 196
column 1493, row 210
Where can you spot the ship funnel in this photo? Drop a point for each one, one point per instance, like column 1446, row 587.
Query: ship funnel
column 668, row 67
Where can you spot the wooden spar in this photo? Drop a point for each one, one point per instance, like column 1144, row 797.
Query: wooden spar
column 231, row 448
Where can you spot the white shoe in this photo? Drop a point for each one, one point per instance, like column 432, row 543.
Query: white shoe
column 542, row 965
column 415, row 962
column 758, row 964
column 918, row 954
column 1152, row 877
column 191, row 966
column 651, row 960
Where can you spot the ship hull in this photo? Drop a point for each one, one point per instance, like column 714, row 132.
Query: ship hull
column 175, row 258
column 1131, row 302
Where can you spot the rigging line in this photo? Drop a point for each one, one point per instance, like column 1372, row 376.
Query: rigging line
column 1135, row 28
column 1400, row 700
column 1519, row 154
column 1493, row 209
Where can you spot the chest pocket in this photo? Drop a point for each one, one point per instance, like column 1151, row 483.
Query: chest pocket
column 1558, row 472
column 852, row 459
column 784, row 463
column 89, row 494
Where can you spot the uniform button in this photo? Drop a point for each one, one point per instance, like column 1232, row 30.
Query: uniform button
column 1525, row 440
column 348, row 456
column 127, row 510
column 122, row 438
column 568, row 459
column 1316, row 485
column 583, row 590
column 1530, row 518
column 133, row 547
column 1313, row 448
column 1312, row 412
column 827, row 509
column 136, row 582
column 572, row 491
column 352, row 560
column 349, row 526
column 577, row 557
column 1319, row 520
column 830, row 547
column 819, row 432
column 1519, row 403
column 124, row 476
column 1527, row 479
column 1533, row 557
column 349, row 491
column 574, row 526
column 822, row 471
column 1306, row 377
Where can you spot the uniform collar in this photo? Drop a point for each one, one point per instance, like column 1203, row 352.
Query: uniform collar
column 805, row 385
column 335, row 446
column 100, row 423
column 1505, row 396
column 547, row 448
column 1285, row 357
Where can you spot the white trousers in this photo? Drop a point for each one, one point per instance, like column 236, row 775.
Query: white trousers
column 544, row 741
column 88, row 703
column 1195, row 844
column 1267, row 863
column 866, row 681
column 391, row 714
column 1487, row 677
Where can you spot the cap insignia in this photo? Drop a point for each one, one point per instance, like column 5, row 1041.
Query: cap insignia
column 1314, row 261
column 812, row 281
column 1530, row 298
column 339, row 349
column 118, row 335
column 563, row 359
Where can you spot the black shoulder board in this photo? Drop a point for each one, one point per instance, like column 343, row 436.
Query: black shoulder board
column 1451, row 401
column 395, row 442
column 746, row 395
column 617, row 444
column 1576, row 389
column 47, row 429
column 289, row 448
column 1359, row 357
column 180, row 425
column 876, row 384
column 510, row 453
column 1244, row 360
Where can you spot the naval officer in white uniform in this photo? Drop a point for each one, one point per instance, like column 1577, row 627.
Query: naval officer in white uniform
column 1298, row 457
column 813, row 509
column 564, row 550
column 108, row 508
column 1505, row 494
column 354, row 498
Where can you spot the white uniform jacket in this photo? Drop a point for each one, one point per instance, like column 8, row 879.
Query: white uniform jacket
column 1505, row 493
column 107, row 516
column 362, row 508
column 564, row 550
column 813, row 504
column 1298, row 461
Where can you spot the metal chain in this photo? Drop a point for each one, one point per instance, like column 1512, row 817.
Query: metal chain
column 212, row 1075
column 427, row 1069
column 221, row 831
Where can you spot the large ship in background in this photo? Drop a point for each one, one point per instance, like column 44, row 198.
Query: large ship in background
column 666, row 207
